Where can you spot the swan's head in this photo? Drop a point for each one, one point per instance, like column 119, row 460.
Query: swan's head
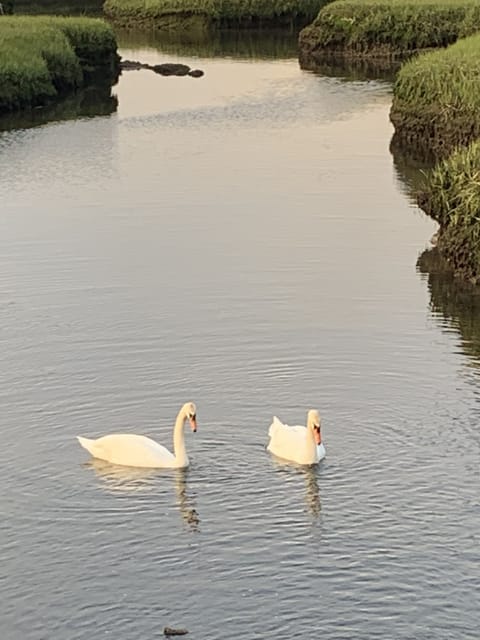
column 190, row 411
column 313, row 422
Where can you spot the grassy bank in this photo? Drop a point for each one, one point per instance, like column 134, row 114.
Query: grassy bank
column 387, row 28
column 42, row 58
column 200, row 15
column 451, row 196
column 436, row 103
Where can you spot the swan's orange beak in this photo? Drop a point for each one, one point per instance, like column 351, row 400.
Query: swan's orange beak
column 193, row 423
column 316, row 433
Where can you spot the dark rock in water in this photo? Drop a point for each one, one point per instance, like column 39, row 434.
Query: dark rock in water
column 131, row 64
column 171, row 69
column 165, row 69
column 168, row 631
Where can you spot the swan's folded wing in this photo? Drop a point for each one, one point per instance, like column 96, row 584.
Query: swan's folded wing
column 157, row 449
column 298, row 430
column 132, row 449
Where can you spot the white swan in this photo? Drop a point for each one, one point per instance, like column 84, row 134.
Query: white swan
column 298, row 444
column 131, row 450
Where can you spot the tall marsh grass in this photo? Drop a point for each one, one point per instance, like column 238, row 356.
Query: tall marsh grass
column 451, row 196
column 42, row 57
column 436, row 99
column 388, row 27
column 226, row 12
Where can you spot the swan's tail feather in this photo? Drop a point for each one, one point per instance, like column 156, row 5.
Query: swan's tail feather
column 274, row 426
column 87, row 444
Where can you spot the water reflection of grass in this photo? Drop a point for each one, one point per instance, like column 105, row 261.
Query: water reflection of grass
column 249, row 44
column 452, row 300
column 449, row 193
column 273, row 44
column 59, row 7
column 86, row 103
column 411, row 169
column 350, row 68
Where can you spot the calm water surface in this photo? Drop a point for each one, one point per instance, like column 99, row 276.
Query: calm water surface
column 244, row 241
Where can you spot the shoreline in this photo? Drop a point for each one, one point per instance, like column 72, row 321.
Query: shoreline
column 436, row 104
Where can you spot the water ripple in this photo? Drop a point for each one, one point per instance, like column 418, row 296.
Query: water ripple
column 182, row 252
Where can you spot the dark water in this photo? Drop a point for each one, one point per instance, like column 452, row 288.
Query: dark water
column 59, row 7
column 242, row 240
column 91, row 101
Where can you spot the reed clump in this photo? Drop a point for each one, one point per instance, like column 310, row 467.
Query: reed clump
column 388, row 28
column 451, row 196
column 45, row 57
column 93, row 41
column 202, row 14
column 436, row 99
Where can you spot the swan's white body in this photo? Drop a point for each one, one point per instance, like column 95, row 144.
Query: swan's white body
column 131, row 450
column 298, row 444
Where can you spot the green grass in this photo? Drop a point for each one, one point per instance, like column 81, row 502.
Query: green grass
column 436, row 102
column 451, row 196
column 388, row 27
column 211, row 11
column 42, row 57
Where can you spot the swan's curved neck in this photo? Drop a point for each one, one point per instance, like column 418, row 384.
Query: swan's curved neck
column 311, row 436
column 179, row 450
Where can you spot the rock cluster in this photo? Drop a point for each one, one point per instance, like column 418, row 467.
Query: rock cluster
column 165, row 69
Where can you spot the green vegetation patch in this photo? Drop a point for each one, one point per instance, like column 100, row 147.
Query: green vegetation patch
column 436, row 103
column 174, row 14
column 451, row 196
column 43, row 57
column 388, row 27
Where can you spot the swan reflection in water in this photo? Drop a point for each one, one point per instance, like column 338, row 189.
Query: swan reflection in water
column 312, row 496
column 125, row 480
column 309, row 473
column 119, row 479
column 186, row 501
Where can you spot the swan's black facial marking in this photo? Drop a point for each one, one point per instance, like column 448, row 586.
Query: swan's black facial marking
column 192, row 418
